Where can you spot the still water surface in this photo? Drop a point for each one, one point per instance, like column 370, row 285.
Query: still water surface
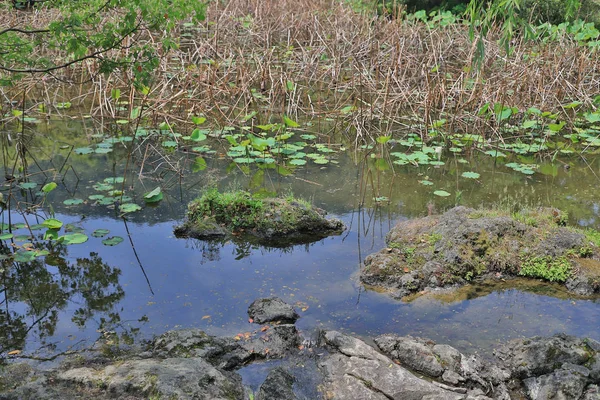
column 153, row 282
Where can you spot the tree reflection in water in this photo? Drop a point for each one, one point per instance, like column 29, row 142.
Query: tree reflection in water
column 33, row 294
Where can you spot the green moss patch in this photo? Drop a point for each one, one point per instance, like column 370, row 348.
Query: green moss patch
column 271, row 221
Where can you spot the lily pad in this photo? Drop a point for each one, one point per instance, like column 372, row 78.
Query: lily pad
column 98, row 233
column 83, row 150
column 153, row 196
column 27, row 185
column 470, row 175
column 74, row 238
column 6, row 236
column 441, row 193
column 72, row 202
column 129, row 207
column 112, row 241
column 52, row 223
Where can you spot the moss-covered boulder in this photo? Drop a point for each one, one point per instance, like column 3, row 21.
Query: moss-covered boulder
column 273, row 221
column 463, row 245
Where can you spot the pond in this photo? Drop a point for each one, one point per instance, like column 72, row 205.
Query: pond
column 137, row 279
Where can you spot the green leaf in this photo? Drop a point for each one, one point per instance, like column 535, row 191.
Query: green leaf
column 470, row 175
column 6, row 236
column 112, row 241
column 426, row 182
column 297, row 161
column 593, row 117
column 48, row 187
column 53, row 223
column 51, row 234
column 25, row 255
column 383, row 139
column 27, row 185
column 169, row 144
column 153, row 196
column 198, row 135
column 84, row 150
column 129, row 207
column 441, row 193
column 74, row 238
column 198, row 120
column 98, row 233
column 199, row 164
column 72, row 202
column 290, row 123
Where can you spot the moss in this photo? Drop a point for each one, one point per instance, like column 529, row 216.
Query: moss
column 274, row 219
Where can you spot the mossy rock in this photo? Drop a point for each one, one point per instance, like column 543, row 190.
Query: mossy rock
column 274, row 221
column 464, row 245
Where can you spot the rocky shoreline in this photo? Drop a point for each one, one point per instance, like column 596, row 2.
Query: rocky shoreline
column 189, row 364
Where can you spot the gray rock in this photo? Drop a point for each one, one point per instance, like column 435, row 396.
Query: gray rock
column 449, row 357
column 277, row 386
column 560, row 384
column 452, row 377
column 412, row 353
column 355, row 370
column 541, row 355
column 592, row 392
column 272, row 310
column 184, row 378
column 462, row 244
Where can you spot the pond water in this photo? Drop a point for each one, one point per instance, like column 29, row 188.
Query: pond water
column 152, row 282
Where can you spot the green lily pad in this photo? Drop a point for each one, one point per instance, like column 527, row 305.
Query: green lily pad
column 52, row 223
column 112, row 241
column 470, row 175
column 72, row 202
column 75, row 238
column 103, row 187
column 6, row 236
column 98, row 233
column 426, row 182
column 113, row 180
column 25, row 255
column 27, row 185
column 153, row 196
column 441, row 193
column 129, row 207
column 297, row 161
column 83, row 150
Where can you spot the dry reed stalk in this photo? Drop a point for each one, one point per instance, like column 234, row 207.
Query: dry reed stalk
column 242, row 58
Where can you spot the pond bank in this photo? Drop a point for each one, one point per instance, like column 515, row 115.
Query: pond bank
column 189, row 364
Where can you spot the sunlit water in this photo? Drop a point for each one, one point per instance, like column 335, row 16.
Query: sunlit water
column 163, row 283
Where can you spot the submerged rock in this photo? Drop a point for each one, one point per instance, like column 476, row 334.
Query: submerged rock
column 274, row 221
column 272, row 310
column 464, row 244
column 277, row 386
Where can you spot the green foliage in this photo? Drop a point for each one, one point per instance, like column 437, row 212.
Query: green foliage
column 237, row 209
column 90, row 30
column 553, row 269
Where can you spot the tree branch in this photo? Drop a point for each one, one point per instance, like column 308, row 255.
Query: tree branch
column 87, row 57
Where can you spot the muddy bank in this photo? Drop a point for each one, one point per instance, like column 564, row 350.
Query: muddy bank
column 464, row 245
column 189, row 364
column 271, row 221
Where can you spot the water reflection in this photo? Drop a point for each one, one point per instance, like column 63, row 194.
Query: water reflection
column 35, row 293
